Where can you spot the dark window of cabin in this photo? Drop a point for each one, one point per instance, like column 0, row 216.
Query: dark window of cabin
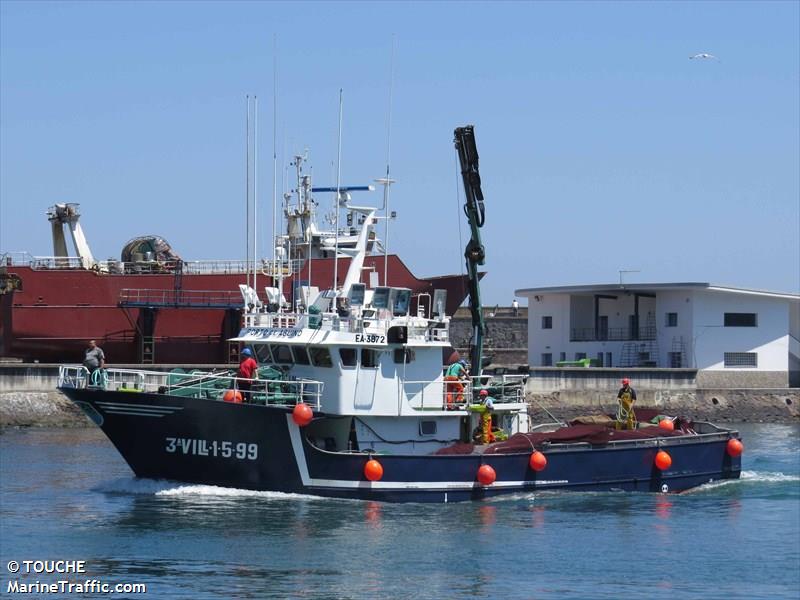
column 320, row 356
column 547, row 322
column 282, row 354
column 369, row 358
column 404, row 355
column 348, row 356
column 263, row 354
column 427, row 427
column 300, row 355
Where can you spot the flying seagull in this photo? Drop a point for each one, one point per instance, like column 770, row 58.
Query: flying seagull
column 703, row 56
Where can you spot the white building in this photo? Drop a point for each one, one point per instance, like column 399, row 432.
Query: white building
column 747, row 338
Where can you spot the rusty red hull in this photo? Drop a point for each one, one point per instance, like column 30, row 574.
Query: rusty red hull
column 56, row 311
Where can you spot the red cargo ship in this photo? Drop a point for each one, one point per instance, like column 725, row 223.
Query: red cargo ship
column 154, row 307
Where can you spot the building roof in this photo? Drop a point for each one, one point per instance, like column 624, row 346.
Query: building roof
column 651, row 287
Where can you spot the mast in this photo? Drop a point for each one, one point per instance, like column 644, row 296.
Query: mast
column 338, row 200
column 255, row 194
column 247, row 192
column 474, row 252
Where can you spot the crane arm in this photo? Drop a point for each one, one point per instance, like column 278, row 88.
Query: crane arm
column 474, row 252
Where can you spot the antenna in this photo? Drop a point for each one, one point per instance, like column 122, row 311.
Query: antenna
column 247, row 192
column 338, row 199
column 621, row 271
column 255, row 194
column 274, row 146
column 388, row 179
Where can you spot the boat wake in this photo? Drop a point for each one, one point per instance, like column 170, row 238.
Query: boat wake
column 162, row 488
column 748, row 478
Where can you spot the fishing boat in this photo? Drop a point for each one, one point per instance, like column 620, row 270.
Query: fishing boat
column 352, row 401
column 151, row 306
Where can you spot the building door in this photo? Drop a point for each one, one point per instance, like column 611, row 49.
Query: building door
column 602, row 327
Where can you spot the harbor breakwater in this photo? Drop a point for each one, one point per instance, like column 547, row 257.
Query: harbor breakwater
column 28, row 397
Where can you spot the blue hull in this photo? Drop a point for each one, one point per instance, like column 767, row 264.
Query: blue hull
column 260, row 448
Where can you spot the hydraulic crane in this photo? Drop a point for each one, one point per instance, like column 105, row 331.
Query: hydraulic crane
column 474, row 252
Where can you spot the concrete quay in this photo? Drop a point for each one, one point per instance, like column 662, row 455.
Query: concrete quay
column 28, row 396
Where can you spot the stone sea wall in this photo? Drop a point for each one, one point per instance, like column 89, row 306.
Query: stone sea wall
column 716, row 405
column 39, row 409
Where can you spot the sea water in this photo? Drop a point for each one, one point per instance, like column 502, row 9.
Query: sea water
column 67, row 495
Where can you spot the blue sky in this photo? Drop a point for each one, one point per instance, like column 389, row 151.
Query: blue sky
column 603, row 147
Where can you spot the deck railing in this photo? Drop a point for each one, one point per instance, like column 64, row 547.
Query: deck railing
column 612, row 334
column 197, row 384
column 444, row 395
column 353, row 323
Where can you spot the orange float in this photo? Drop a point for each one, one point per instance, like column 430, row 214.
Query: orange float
column 537, row 461
column 373, row 470
column 232, row 396
column 302, row 414
column 486, row 475
column 663, row 460
column 666, row 425
column 734, row 448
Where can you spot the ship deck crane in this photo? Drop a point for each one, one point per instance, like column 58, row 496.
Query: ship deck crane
column 474, row 252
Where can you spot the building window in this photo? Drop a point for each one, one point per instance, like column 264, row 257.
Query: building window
column 599, row 359
column 741, row 359
column 547, row 359
column 740, row 320
column 562, row 356
column 608, row 359
column 580, row 355
column 672, row 320
column 675, row 360
column 547, row 322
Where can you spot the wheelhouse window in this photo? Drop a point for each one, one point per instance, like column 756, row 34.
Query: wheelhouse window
column 300, row 355
column 741, row 320
column 369, row 358
column 671, row 320
column 547, row 322
column 282, row 354
column 263, row 354
column 320, row 356
column 404, row 355
column 349, row 356
column 547, row 359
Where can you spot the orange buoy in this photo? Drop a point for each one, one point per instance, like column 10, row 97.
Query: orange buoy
column 734, row 448
column 486, row 475
column 302, row 414
column 232, row 396
column 537, row 461
column 663, row 460
column 666, row 425
column 373, row 470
